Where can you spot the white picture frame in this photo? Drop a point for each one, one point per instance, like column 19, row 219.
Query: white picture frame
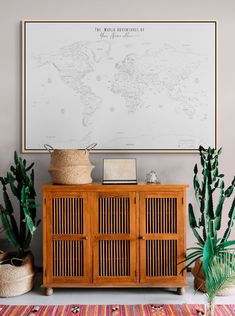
column 119, row 171
column 130, row 86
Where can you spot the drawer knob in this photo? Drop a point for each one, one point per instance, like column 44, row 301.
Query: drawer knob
column 85, row 238
column 142, row 237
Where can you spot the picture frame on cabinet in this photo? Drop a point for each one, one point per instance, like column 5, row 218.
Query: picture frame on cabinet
column 119, row 171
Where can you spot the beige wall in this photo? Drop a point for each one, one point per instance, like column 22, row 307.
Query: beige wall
column 172, row 168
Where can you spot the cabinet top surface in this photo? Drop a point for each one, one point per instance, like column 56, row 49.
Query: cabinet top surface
column 115, row 187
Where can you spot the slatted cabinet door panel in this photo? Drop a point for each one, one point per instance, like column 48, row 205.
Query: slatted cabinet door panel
column 68, row 238
column 162, row 222
column 114, row 233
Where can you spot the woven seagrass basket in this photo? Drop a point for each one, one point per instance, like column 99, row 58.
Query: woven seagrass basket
column 70, row 166
column 16, row 280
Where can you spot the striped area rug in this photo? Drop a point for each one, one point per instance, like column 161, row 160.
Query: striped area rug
column 113, row 310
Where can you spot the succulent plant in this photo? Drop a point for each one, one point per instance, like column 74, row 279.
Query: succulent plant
column 20, row 181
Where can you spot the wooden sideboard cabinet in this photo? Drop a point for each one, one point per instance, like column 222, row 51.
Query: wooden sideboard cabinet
column 98, row 235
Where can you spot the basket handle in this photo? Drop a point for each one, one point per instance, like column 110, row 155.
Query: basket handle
column 91, row 146
column 16, row 260
column 49, row 148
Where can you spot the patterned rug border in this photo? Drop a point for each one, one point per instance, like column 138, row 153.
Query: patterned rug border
column 114, row 310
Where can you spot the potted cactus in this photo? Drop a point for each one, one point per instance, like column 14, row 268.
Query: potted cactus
column 210, row 195
column 17, row 268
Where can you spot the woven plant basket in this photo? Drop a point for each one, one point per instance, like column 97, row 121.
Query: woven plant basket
column 70, row 166
column 16, row 280
column 200, row 284
column 71, row 175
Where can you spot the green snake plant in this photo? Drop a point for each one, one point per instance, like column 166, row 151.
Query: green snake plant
column 210, row 193
column 19, row 229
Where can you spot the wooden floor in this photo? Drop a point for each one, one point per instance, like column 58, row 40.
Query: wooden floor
column 112, row 296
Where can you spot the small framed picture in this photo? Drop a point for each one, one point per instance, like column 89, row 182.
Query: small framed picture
column 119, row 171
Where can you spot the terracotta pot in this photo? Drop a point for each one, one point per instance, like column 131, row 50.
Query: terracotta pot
column 16, row 280
column 200, row 283
column 70, row 166
column 199, row 277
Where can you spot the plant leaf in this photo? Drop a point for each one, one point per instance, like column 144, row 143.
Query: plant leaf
column 226, row 244
column 229, row 191
column 29, row 167
column 192, row 219
column 230, row 222
column 218, row 211
column 26, row 209
column 8, row 228
column 16, row 157
column 208, row 254
column 220, row 274
column 196, row 234
column 189, row 264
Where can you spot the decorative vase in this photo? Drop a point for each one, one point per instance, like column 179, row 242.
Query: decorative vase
column 199, row 277
column 16, row 279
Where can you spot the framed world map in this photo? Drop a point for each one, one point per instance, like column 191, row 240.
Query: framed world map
column 129, row 86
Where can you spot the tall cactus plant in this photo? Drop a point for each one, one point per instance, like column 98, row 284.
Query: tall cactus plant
column 20, row 180
column 210, row 189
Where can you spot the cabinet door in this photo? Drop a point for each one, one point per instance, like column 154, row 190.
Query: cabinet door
column 114, row 233
column 162, row 238
column 66, row 238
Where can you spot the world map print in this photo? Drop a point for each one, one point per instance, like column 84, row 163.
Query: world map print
column 126, row 87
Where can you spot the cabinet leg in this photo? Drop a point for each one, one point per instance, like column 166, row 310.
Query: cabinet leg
column 180, row 290
column 48, row 291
